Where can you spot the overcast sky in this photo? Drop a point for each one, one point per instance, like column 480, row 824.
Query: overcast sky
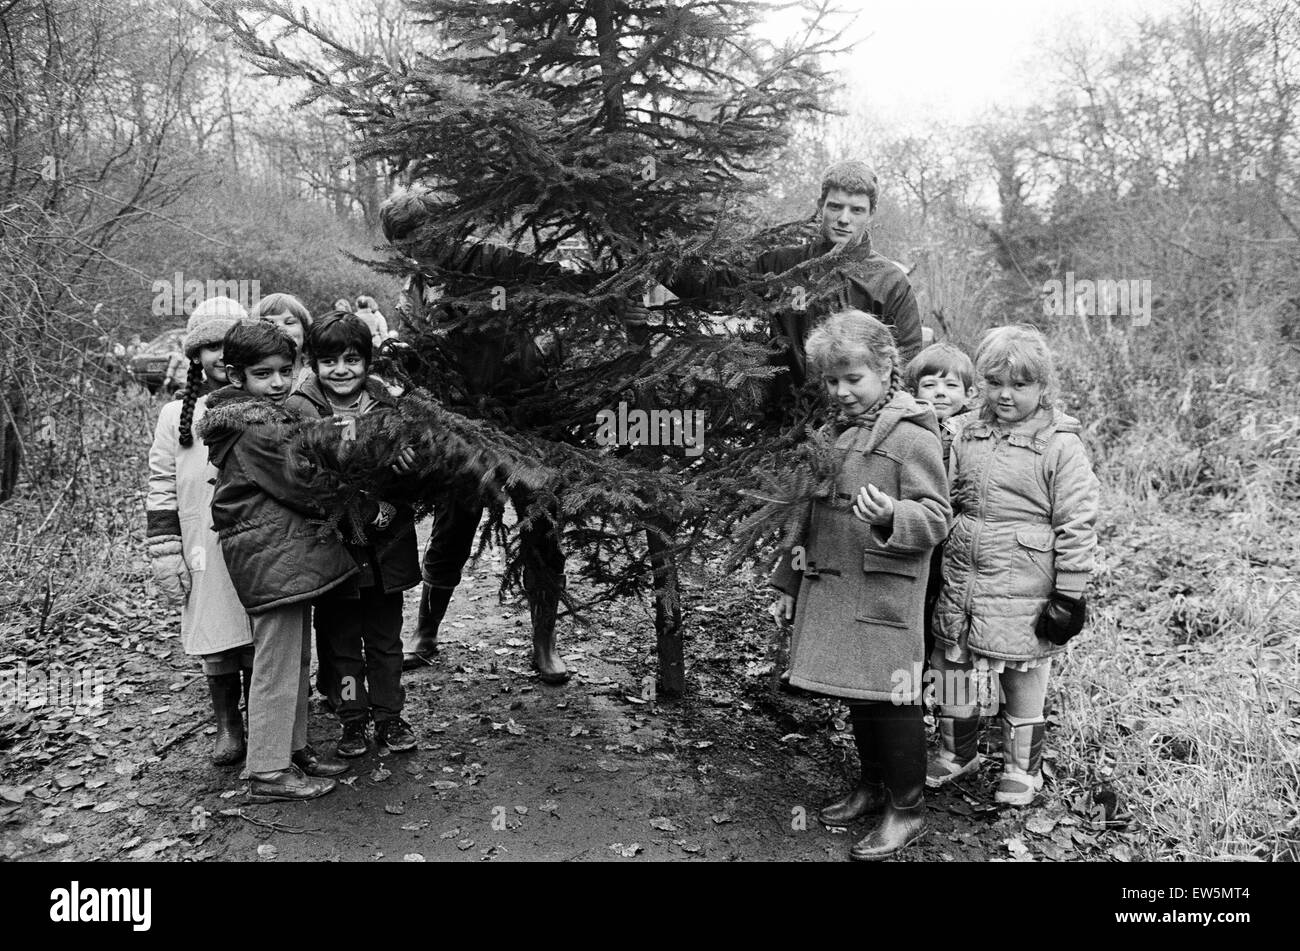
column 953, row 59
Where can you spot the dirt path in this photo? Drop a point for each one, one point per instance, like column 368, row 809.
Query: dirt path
column 507, row 768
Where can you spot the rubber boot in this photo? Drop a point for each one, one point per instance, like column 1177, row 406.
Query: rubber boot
column 1022, row 759
column 900, row 738
column 869, row 794
column 230, row 746
column 957, row 755
column 433, row 607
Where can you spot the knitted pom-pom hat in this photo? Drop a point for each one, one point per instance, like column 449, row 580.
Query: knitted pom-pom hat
column 209, row 322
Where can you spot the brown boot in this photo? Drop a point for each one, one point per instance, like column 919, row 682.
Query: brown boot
column 287, row 785
column 230, row 747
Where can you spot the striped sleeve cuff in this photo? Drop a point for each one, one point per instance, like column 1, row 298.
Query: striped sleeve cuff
column 162, row 522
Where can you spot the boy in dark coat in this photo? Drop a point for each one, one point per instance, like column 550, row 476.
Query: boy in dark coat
column 943, row 376
column 359, row 626
column 279, row 563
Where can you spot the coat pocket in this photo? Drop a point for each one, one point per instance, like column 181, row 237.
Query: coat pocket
column 888, row 588
column 1038, row 545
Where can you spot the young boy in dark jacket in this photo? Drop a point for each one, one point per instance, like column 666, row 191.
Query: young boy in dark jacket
column 278, row 563
column 359, row 626
column 943, row 376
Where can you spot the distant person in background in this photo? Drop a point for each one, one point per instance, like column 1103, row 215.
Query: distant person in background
column 177, row 373
column 368, row 311
column 292, row 317
column 343, row 304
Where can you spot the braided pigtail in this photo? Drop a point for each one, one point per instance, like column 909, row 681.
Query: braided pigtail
column 193, row 384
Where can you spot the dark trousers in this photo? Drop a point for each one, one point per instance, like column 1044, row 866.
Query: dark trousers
column 452, row 541
column 359, row 642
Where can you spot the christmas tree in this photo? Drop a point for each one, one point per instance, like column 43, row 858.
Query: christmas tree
column 629, row 136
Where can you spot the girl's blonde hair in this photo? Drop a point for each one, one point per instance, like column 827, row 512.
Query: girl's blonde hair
column 278, row 303
column 1021, row 351
column 849, row 337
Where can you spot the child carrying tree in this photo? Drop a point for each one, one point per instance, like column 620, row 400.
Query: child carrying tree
column 858, row 575
column 183, row 550
column 1015, row 565
column 279, row 561
column 359, row 626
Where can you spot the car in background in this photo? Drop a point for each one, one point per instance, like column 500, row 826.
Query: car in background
column 149, row 365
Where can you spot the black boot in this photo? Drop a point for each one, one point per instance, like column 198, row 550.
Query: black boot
column 900, row 737
column 433, row 607
column 869, row 794
column 230, row 746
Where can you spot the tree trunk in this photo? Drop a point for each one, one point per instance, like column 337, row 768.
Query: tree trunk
column 669, row 640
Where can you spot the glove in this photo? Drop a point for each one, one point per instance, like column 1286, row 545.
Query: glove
column 1063, row 617
column 170, row 572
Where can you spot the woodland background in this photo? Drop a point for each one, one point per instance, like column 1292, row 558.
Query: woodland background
column 137, row 143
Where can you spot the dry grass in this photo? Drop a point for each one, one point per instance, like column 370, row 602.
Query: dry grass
column 1183, row 693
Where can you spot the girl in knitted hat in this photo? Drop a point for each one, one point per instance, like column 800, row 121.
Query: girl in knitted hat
column 186, row 559
column 855, row 585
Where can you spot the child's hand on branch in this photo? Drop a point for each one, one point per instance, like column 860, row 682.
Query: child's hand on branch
column 170, row 572
column 874, row 507
column 782, row 609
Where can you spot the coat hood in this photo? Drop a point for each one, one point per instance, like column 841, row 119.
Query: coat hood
column 902, row 408
column 231, row 412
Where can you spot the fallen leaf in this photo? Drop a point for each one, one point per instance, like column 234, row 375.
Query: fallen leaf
column 1016, row 847
column 465, row 844
column 14, row 793
column 522, row 810
column 1041, row 825
column 267, row 851
column 627, row 851
column 720, row 818
column 395, row 809
column 54, row 838
column 380, row 774
column 514, row 729
column 550, row 806
column 412, row 857
column 664, row 825
column 444, row 784
column 111, row 806
column 449, row 834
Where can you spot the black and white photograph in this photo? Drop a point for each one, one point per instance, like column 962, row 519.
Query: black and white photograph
column 742, row 431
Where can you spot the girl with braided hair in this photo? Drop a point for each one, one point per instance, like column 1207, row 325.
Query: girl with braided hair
column 858, row 573
column 187, row 563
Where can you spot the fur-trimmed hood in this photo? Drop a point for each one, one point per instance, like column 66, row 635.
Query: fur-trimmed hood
column 231, row 413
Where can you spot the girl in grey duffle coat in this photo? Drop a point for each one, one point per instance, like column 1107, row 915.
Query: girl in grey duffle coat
column 855, row 585
column 1020, row 552
column 186, row 558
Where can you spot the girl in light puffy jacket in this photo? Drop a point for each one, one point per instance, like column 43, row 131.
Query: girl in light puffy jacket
column 1024, row 499
column 187, row 563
